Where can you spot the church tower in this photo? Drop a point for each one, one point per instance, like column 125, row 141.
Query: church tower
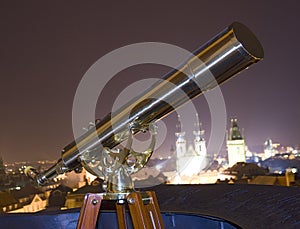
column 191, row 158
column 235, row 144
column 199, row 141
column 180, row 144
column 268, row 149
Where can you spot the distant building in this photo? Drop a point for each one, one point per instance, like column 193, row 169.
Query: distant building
column 57, row 197
column 30, row 199
column 149, row 177
column 245, row 170
column 37, row 204
column 280, row 163
column 268, row 149
column 3, row 176
column 27, row 199
column 236, row 146
column 285, row 180
column 191, row 158
column 75, row 199
column 7, row 202
column 2, row 167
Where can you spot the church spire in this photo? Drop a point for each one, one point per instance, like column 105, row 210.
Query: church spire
column 198, row 132
column 179, row 131
column 2, row 167
column 234, row 132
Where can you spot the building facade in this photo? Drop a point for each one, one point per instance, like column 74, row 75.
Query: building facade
column 236, row 145
column 268, row 149
column 191, row 158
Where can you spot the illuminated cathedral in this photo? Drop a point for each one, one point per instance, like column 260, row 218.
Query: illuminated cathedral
column 191, row 158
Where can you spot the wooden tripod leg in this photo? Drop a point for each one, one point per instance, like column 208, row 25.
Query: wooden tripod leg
column 144, row 215
column 154, row 211
column 121, row 214
column 89, row 211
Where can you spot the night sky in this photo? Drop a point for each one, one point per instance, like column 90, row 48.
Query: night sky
column 46, row 47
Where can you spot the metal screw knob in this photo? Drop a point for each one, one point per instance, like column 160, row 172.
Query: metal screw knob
column 94, row 201
column 130, row 201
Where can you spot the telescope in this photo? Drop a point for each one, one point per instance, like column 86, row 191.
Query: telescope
column 229, row 52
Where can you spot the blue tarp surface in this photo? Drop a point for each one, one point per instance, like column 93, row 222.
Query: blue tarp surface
column 106, row 220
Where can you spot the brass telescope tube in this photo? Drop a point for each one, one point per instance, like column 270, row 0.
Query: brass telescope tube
column 225, row 55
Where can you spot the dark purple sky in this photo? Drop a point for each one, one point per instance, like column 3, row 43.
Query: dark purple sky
column 47, row 47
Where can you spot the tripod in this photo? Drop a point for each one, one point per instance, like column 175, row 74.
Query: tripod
column 143, row 207
column 117, row 165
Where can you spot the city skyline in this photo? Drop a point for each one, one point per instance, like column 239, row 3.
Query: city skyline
column 46, row 50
